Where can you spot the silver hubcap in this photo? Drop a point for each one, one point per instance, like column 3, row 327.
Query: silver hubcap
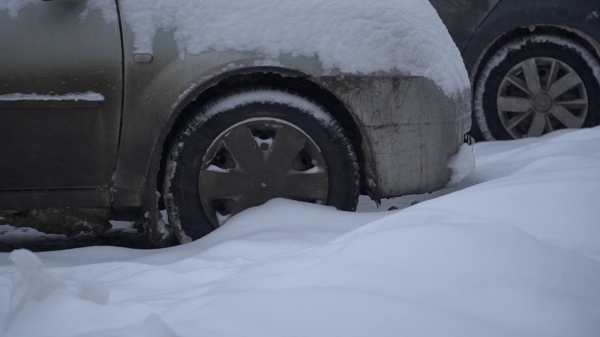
column 540, row 95
column 258, row 160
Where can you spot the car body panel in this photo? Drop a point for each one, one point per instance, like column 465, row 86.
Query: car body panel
column 463, row 17
column 67, row 143
column 410, row 128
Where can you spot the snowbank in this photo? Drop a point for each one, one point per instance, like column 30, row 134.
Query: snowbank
column 352, row 36
column 515, row 254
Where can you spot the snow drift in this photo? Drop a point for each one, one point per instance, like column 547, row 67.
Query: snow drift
column 515, row 254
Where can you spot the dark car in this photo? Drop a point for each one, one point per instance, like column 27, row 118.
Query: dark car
column 533, row 64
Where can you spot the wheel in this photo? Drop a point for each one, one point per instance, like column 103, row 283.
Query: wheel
column 250, row 147
column 537, row 85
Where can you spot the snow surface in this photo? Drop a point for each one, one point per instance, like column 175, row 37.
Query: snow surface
column 352, row 36
column 86, row 96
column 514, row 252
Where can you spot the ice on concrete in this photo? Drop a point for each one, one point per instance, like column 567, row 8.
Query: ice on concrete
column 8, row 232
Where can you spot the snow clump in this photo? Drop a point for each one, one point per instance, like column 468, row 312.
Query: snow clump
column 33, row 287
column 462, row 165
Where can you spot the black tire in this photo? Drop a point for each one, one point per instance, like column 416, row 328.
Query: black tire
column 182, row 192
column 490, row 79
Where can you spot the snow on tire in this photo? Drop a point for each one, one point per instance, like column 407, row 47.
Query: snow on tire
column 535, row 85
column 250, row 147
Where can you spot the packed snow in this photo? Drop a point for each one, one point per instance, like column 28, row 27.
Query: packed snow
column 351, row 36
column 513, row 250
column 85, row 96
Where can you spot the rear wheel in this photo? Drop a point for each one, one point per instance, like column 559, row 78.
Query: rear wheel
column 249, row 148
column 537, row 85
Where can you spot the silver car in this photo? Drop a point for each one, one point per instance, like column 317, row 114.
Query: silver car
column 97, row 115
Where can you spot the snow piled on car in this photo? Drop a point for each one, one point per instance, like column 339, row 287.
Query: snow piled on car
column 84, row 96
column 516, row 252
column 350, row 36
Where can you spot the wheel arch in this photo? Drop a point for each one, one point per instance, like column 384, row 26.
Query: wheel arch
column 293, row 81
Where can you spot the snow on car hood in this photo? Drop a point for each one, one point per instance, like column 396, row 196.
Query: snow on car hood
column 352, row 36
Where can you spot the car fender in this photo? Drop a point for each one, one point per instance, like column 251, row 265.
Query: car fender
column 150, row 111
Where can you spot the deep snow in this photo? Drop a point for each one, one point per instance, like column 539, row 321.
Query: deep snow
column 515, row 254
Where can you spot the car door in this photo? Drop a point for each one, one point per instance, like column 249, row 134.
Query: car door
column 60, row 93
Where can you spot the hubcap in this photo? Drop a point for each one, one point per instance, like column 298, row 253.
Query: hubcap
column 257, row 160
column 542, row 102
column 540, row 95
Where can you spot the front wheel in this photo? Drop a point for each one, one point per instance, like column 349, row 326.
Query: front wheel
column 537, row 85
column 250, row 147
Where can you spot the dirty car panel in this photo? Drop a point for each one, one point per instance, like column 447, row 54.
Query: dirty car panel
column 66, row 143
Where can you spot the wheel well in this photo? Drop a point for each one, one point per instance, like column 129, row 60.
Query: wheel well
column 561, row 31
column 302, row 86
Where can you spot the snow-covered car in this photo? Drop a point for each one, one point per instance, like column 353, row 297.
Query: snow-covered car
column 207, row 108
column 533, row 64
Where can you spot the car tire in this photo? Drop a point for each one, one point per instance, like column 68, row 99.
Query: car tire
column 510, row 102
column 244, row 149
